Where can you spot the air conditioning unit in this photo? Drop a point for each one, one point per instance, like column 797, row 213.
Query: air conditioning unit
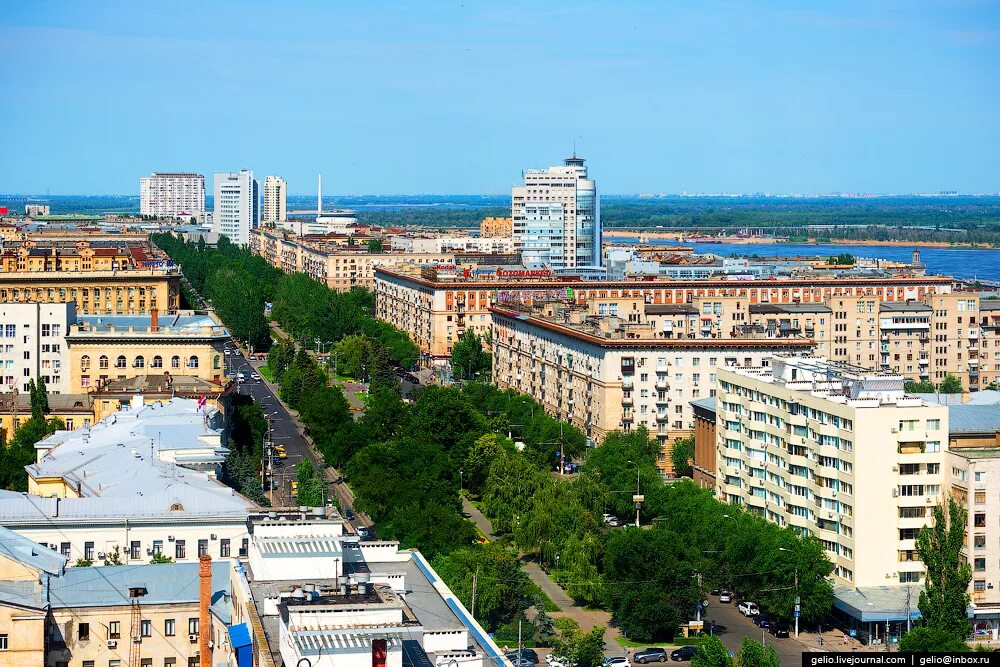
column 193, row 638
column 112, row 643
column 214, row 536
column 170, row 538
column 894, row 430
column 137, row 639
column 895, row 493
column 895, row 468
column 101, row 554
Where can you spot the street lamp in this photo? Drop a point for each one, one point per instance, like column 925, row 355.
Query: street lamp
column 637, row 498
column 798, row 600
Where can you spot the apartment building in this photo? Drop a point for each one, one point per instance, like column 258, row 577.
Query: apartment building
column 464, row 243
column 435, row 311
column 34, row 345
column 237, row 205
column 312, row 592
column 604, row 369
column 116, row 347
column 139, row 482
column 35, row 210
column 838, row 452
column 275, row 199
column 492, row 227
column 340, row 268
column 180, row 195
column 99, row 276
column 557, row 216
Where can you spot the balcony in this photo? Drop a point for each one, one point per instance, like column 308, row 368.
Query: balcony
column 662, row 384
column 628, row 382
column 662, row 418
column 627, row 400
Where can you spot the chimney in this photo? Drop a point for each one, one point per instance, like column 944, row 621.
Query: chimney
column 154, row 324
column 204, row 602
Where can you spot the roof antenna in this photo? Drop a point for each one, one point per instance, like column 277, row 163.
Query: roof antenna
column 574, row 148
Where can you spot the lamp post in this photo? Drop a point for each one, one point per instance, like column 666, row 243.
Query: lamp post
column 637, row 498
column 798, row 600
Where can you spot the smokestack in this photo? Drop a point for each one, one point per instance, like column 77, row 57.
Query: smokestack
column 154, row 324
column 319, row 193
column 204, row 602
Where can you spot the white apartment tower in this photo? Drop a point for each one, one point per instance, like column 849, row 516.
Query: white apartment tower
column 557, row 216
column 837, row 452
column 237, row 205
column 33, row 345
column 172, row 195
column 275, row 193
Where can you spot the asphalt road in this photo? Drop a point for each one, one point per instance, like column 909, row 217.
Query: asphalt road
column 737, row 627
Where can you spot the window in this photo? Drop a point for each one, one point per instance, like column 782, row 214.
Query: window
column 157, row 362
column 909, row 577
column 120, row 361
column 193, row 625
column 114, row 663
column 64, row 549
column 140, row 362
column 933, row 424
column 217, row 363
column 115, row 630
column 146, row 662
column 157, row 546
column 224, row 548
column 135, row 549
column 193, row 661
column 88, row 551
column 103, row 361
column 85, row 362
column 175, row 362
column 146, row 628
column 202, row 547
column 979, row 564
column 193, row 361
column 3, row 642
column 179, row 550
column 169, row 627
column 170, row 662
column 88, row 663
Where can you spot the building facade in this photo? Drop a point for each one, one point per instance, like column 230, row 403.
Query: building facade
column 436, row 311
column 34, row 345
column 837, row 452
column 604, row 373
column 492, row 227
column 35, row 210
column 237, row 205
column 275, row 195
column 557, row 217
column 163, row 195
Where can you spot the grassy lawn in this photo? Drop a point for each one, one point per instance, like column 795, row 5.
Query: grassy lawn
column 266, row 373
column 363, row 397
column 344, row 378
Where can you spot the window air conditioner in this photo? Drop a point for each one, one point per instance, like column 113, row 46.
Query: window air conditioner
column 192, row 638
column 137, row 639
column 100, row 554
column 112, row 643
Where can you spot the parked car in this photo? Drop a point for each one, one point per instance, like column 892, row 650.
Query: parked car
column 617, row 662
column 650, row 655
column 762, row 621
column 778, row 629
column 684, row 653
column 255, row 377
column 611, row 520
column 528, row 654
column 748, row 608
column 241, row 377
column 554, row 661
column 349, row 514
column 725, row 596
column 519, row 662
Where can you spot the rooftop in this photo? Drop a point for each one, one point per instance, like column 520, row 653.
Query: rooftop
column 878, row 603
column 967, row 419
column 903, row 307
column 30, row 553
column 167, row 583
column 789, row 308
column 189, row 323
column 153, row 460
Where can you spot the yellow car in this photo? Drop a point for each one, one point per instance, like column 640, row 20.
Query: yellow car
column 295, row 487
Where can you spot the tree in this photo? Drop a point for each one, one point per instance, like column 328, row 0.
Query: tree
column 577, row 648
column 951, row 385
column 481, row 455
column 501, row 585
column 945, row 599
column 159, row 558
column 681, row 455
column 375, row 246
column 922, row 387
column 712, row 653
column 311, row 485
column 926, row 639
column 468, row 357
column 114, row 557
column 83, row 562
column 753, row 654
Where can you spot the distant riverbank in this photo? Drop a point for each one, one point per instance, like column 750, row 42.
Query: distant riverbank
column 650, row 236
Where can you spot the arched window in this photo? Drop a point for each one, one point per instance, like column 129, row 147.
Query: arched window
column 217, row 362
column 157, row 362
column 193, row 362
column 140, row 362
column 175, row 362
column 85, row 362
column 103, row 361
column 120, row 361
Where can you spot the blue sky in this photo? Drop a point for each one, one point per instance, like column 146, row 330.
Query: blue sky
column 458, row 97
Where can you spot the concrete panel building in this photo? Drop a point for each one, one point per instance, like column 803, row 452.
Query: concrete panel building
column 237, row 205
column 275, row 198
column 172, row 195
column 33, row 345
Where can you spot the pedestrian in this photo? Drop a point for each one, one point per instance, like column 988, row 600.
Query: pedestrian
column 845, row 640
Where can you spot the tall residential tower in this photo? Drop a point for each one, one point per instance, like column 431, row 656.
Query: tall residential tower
column 557, row 216
column 275, row 192
column 172, row 195
column 237, row 205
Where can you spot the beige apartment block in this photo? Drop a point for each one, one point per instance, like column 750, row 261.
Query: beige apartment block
column 110, row 348
column 604, row 369
column 340, row 267
column 492, row 227
column 436, row 311
column 837, row 452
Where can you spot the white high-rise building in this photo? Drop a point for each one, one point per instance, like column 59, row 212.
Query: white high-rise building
column 237, row 205
column 275, row 192
column 172, row 195
column 34, row 345
column 557, row 216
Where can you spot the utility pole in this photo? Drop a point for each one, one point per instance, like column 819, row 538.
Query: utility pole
column 475, row 580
